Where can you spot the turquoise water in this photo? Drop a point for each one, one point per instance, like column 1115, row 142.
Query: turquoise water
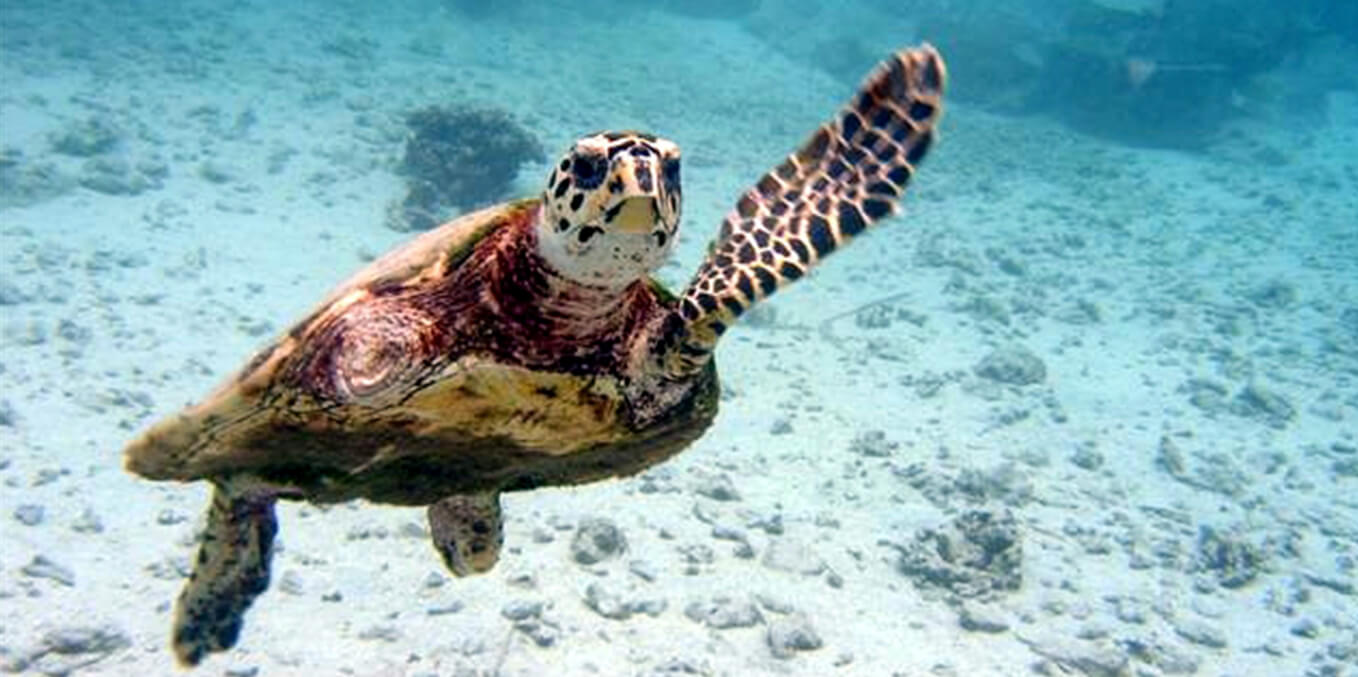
column 1086, row 406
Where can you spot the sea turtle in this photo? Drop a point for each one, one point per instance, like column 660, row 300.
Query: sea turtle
column 520, row 346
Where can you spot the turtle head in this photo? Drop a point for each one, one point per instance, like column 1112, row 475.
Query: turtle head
column 611, row 208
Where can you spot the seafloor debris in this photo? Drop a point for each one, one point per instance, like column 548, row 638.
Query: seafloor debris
column 1012, row 365
column 597, row 539
column 86, row 138
column 1235, row 561
column 978, row 555
column 458, row 159
column 64, row 651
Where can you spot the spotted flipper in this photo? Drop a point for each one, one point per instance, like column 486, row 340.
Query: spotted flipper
column 848, row 175
column 232, row 569
column 467, row 531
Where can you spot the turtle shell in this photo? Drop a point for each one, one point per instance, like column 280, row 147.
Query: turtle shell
column 436, row 371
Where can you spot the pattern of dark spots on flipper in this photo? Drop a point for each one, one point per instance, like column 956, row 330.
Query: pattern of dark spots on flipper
column 467, row 531
column 848, row 175
column 232, row 569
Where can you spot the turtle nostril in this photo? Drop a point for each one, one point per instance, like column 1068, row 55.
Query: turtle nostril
column 588, row 232
column 661, row 238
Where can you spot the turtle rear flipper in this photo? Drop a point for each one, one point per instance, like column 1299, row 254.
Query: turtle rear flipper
column 231, row 570
column 847, row 176
column 467, row 531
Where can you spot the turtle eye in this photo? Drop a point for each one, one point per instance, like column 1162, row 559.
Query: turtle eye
column 588, row 170
column 669, row 170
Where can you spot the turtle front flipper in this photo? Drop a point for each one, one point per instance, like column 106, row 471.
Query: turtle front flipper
column 849, row 174
column 467, row 532
column 232, row 569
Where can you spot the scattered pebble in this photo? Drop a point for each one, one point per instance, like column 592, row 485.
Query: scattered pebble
column 1012, row 365
column 383, row 633
column 978, row 554
column 873, row 443
column 718, row 487
column 88, row 523
column 518, row 610
column 721, row 613
column 597, row 539
column 29, row 514
column 613, row 606
column 41, row 567
column 1095, row 658
column 793, row 556
column 67, row 650
column 445, row 608
column 790, row 634
column 979, row 618
column 1200, row 632
column 643, row 570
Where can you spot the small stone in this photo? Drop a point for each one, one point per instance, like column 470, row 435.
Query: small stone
column 597, row 539
column 1075, row 656
column 384, row 633
column 1200, row 632
column 978, row 555
column 1012, row 365
column 1305, row 628
column 1234, row 560
column 718, row 488
column 69, row 650
column 12, row 294
column 642, row 569
column 444, row 609
column 721, row 613
column 781, row 426
column 976, row 618
column 725, row 533
column 772, row 525
column 873, row 443
column 1168, row 658
column 170, row 517
column 605, row 603
column 29, row 514
column 786, row 554
column 650, row 607
column 543, row 633
column 1262, row 404
column 86, row 138
column 518, row 610
column 41, row 567
column 1335, row 583
column 291, row 583
column 775, row 605
column 790, row 634
column 1129, row 610
column 88, row 523
column 215, row 172
column 1087, row 458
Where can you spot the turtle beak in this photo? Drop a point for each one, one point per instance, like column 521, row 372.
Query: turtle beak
column 634, row 215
